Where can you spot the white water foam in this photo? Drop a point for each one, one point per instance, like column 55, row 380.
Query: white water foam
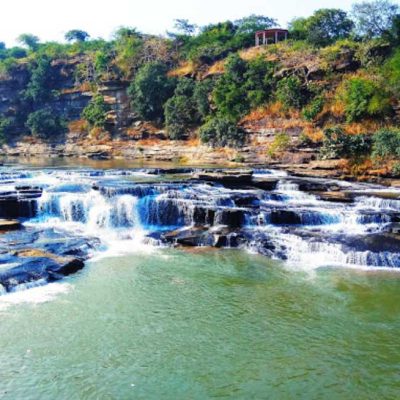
column 36, row 295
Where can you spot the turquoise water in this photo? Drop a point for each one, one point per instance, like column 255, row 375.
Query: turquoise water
column 170, row 324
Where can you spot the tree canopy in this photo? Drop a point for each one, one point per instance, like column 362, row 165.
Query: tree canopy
column 76, row 35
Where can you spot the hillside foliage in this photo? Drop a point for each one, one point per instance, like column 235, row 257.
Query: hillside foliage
column 338, row 71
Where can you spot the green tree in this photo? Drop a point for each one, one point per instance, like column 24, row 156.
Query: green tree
column 247, row 26
column 386, row 144
column 230, row 95
column 184, row 27
column 5, row 124
column 298, row 28
column 128, row 45
column 180, row 110
column 76, row 35
column 95, row 112
column 290, row 92
column 259, row 81
column 338, row 144
column 150, row 89
column 38, row 90
column 364, row 98
column 221, row 132
column 202, row 97
column 327, row 25
column 29, row 40
column 374, row 18
column 392, row 73
column 43, row 123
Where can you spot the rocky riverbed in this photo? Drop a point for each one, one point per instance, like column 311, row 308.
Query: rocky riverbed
column 54, row 219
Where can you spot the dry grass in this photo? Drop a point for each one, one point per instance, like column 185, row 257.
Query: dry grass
column 217, row 68
column 80, row 126
column 366, row 126
column 84, row 87
column 186, row 68
column 316, row 135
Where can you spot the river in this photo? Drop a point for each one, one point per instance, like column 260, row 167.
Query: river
column 143, row 320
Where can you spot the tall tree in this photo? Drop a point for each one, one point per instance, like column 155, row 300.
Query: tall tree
column 375, row 18
column 76, row 35
column 328, row 25
column 184, row 27
column 29, row 40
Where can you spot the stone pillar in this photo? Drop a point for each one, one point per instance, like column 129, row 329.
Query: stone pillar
column 264, row 38
column 276, row 37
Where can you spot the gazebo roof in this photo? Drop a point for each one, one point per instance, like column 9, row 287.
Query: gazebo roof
column 273, row 30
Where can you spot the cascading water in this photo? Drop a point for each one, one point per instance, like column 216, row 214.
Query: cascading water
column 284, row 222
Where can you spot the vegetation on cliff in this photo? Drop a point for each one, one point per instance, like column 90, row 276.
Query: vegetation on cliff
column 336, row 82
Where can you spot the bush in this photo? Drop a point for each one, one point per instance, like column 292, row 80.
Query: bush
column 386, row 144
column 338, row 144
column 244, row 85
column 311, row 111
column 392, row 73
column 364, row 98
column 230, row 95
column 280, row 143
column 290, row 92
column 201, row 97
column 43, row 123
column 259, row 81
column 149, row 91
column 95, row 112
column 396, row 169
column 38, row 89
column 5, row 124
column 326, row 26
column 220, row 132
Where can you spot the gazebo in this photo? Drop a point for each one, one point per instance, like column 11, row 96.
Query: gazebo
column 271, row 36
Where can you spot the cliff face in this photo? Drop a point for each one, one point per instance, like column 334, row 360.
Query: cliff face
column 69, row 100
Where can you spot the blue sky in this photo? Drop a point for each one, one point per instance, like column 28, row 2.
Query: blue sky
column 50, row 19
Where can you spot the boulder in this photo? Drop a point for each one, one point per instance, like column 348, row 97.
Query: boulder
column 230, row 217
column 268, row 184
column 338, row 197
column 34, row 266
column 19, row 203
column 285, row 217
column 9, row 225
column 234, row 177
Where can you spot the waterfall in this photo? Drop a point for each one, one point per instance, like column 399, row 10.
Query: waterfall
column 286, row 223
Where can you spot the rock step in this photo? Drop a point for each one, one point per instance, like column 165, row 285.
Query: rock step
column 9, row 225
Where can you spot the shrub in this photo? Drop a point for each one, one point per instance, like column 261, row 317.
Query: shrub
column 43, row 123
column 392, row 73
column 201, row 97
column 290, row 92
column 386, row 144
column 259, row 81
column 5, row 124
column 150, row 89
column 220, row 132
column 311, row 111
column 396, row 169
column 230, row 95
column 244, row 85
column 38, row 89
column 364, row 98
column 180, row 110
column 280, row 143
column 338, row 144
column 95, row 112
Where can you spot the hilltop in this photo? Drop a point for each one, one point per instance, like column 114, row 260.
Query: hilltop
column 326, row 99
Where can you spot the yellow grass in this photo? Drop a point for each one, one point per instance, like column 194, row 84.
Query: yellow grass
column 186, row 68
